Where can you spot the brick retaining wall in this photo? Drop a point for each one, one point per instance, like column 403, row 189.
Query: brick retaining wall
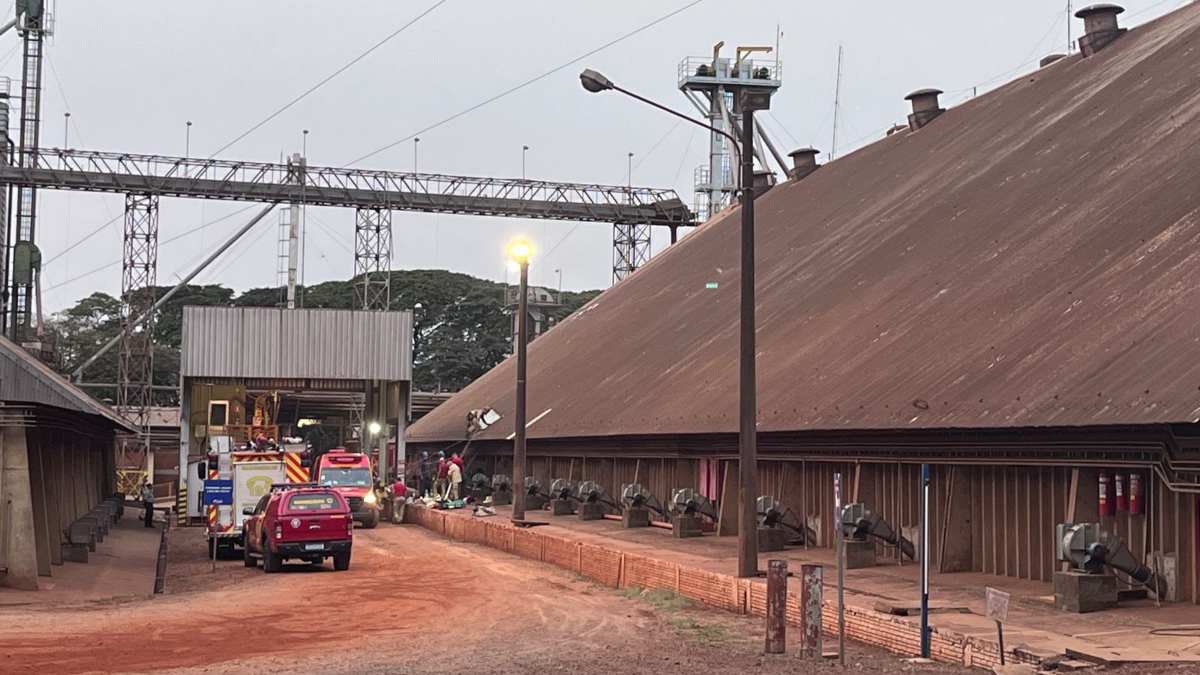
column 617, row 569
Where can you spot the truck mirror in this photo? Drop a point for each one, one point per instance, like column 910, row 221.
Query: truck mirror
column 248, row 511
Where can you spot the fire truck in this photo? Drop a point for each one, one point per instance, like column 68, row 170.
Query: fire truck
column 252, row 472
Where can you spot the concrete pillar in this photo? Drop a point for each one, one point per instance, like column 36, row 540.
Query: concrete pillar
column 52, row 476
column 37, row 488
column 17, row 533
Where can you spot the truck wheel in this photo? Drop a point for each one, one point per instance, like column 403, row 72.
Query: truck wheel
column 271, row 562
column 371, row 520
column 247, row 558
column 341, row 561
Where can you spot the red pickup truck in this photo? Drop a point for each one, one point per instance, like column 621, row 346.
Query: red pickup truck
column 306, row 522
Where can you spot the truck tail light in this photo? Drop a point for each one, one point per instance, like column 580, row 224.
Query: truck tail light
column 278, row 531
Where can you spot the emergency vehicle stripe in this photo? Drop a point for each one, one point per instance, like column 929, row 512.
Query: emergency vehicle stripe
column 295, row 472
column 212, row 516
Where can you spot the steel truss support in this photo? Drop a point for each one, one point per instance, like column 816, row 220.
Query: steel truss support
column 372, row 258
column 135, row 369
column 31, row 112
column 631, row 249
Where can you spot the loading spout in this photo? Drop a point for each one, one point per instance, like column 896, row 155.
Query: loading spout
column 872, row 525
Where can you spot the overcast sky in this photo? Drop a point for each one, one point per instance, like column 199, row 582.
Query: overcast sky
column 131, row 74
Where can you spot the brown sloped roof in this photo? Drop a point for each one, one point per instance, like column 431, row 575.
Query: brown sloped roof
column 1029, row 258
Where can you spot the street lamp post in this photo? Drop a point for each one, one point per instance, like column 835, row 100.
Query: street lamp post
column 187, row 140
column 748, row 100
column 415, row 142
column 519, row 252
column 524, row 149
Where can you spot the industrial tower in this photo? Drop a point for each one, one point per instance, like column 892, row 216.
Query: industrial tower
column 708, row 82
column 34, row 24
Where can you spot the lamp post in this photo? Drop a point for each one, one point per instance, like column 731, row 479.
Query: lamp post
column 748, row 100
column 415, row 142
column 524, row 149
column 187, row 141
column 519, row 252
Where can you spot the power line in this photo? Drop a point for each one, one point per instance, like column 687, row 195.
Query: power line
column 87, row 236
column 114, row 263
column 335, row 73
column 526, row 83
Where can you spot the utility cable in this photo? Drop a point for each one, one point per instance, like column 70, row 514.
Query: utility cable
column 118, row 262
column 332, row 75
column 526, row 83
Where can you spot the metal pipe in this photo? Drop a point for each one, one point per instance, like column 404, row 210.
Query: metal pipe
column 925, row 561
column 8, row 26
column 771, row 146
column 78, row 372
column 518, row 508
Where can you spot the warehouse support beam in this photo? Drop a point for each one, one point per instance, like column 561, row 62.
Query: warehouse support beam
column 18, row 538
column 372, row 258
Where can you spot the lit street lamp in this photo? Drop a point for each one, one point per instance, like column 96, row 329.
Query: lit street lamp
column 519, row 252
column 747, row 99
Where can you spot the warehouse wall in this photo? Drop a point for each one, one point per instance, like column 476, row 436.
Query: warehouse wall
column 993, row 519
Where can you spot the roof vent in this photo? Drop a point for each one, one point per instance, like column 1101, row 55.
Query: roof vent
column 804, row 162
column 925, row 107
column 1052, row 58
column 1099, row 27
column 763, row 180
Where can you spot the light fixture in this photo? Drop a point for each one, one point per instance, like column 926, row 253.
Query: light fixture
column 374, row 428
column 520, row 251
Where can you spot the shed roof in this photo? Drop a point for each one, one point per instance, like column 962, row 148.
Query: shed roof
column 1028, row 259
column 25, row 379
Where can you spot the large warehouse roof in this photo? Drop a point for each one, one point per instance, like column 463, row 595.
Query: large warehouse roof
column 1029, row 258
column 26, row 380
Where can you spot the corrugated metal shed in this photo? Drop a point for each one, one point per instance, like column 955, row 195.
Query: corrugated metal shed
column 24, row 379
column 1029, row 258
column 268, row 342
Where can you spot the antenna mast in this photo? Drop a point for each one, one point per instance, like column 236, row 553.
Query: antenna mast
column 1069, row 44
column 837, row 99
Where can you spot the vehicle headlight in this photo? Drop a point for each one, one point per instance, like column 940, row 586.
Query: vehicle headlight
column 370, row 498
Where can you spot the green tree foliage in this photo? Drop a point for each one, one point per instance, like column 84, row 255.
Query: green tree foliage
column 461, row 324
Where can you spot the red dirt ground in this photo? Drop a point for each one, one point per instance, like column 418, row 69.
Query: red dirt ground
column 411, row 602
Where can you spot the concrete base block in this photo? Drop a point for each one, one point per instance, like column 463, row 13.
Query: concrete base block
column 771, row 539
column 502, row 498
column 1081, row 592
column 82, row 534
column 635, row 517
column 685, row 527
column 536, row 502
column 75, row 552
column 562, row 507
column 592, row 511
column 859, row 554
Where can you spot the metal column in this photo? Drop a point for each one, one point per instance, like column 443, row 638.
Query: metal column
column 631, row 249
column 6, row 157
column 372, row 258
column 31, row 113
column 135, row 368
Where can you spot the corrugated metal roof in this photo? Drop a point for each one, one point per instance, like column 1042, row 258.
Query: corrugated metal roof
column 1029, row 258
column 268, row 342
column 24, row 379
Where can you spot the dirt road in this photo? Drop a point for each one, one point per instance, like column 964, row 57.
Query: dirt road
column 411, row 603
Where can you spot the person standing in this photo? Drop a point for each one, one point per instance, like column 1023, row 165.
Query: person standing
column 148, row 503
column 454, row 473
column 441, row 486
column 425, row 475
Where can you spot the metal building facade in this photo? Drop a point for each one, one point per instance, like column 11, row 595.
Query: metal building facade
column 268, row 342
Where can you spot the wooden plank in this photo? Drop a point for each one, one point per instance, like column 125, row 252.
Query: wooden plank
column 727, row 524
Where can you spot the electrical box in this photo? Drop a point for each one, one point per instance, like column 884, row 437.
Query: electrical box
column 26, row 260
